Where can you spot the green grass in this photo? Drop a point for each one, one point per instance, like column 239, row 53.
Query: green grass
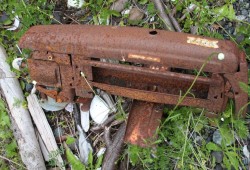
column 9, row 156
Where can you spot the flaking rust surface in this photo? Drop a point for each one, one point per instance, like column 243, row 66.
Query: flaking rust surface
column 63, row 53
column 144, row 119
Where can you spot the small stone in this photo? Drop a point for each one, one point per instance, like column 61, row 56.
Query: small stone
column 217, row 137
column 231, row 30
column 218, row 155
column 245, row 161
column 247, row 5
column 58, row 132
column 240, row 17
column 3, row 17
column 135, row 14
column 230, row 24
column 240, row 38
column 218, row 167
column 75, row 3
column 198, row 140
column 209, row 138
column 29, row 87
column 244, row 12
column 119, row 5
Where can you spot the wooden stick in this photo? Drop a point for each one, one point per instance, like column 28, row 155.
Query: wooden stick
column 163, row 15
column 173, row 20
column 28, row 145
column 189, row 9
column 113, row 149
column 44, row 128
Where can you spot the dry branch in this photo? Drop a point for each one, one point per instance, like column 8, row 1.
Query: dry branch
column 44, row 128
column 173, row 20
column 28, row 145
column 113, row 150
column 163, row 15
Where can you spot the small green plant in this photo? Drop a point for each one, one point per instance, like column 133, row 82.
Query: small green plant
column 181, row 144
column 53, row 157
column 9, row 156
column 78, row 165
column 120, row 115
column 100, row 11
column 29, row 13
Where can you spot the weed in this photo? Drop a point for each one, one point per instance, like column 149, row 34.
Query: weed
column 181, row 143
column 53, row 157
column 8, row 149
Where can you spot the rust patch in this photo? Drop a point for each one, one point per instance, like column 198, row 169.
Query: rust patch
column 202, row 42
column 144, row 119
column 143, row 57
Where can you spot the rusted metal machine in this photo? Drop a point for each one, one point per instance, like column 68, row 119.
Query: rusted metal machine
column 154, row 67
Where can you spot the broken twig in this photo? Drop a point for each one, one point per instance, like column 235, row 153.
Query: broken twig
column 107, row 136
column 173, row 20
column 163, row 15
column 44, row 128
column 113, row 150
column 189, row 9
column 101, row 126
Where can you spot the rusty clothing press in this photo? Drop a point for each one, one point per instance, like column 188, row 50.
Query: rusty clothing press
column 154, row 67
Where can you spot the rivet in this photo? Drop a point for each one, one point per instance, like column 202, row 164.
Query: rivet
column 50, row 57
column 221, row 56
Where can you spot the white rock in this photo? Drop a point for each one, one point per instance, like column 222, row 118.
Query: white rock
column 125, row 12
column 75, row 3
column 52, row 105
column 99, row 110
column 84, row 119
column 16, row 63
column 240, row 17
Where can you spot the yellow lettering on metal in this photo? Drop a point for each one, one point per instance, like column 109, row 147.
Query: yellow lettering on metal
column 142, row 57
column 202, row 42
